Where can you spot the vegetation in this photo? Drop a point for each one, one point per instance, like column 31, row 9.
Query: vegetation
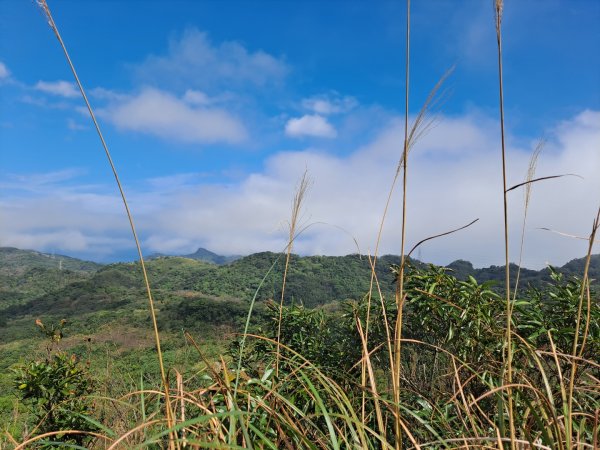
column 453, row 334
column 317, row 352
column 56, row 389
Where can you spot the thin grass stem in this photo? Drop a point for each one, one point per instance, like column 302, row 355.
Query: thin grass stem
column 498, row 8
column 293, row 224
column 574, row 365
column 43, row 4
column 400, row 281
column 528, row 184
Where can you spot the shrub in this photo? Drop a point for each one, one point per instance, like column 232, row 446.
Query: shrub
column 56, row 389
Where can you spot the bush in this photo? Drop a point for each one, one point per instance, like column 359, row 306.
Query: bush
column 56, row 389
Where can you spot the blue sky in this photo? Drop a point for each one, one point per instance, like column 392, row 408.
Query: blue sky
column 214, row 109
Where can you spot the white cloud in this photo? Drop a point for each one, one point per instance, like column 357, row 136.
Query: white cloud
column 196, row 97
column 39, row 182
column 66, row 240
column 327, row 105
column 60, row 88
column 106, row 94
column 310, row 125
column 161, row 114
column 193, row 60
column 4, row 72
column 75, row 126
column 454, row 177
column 42, row 212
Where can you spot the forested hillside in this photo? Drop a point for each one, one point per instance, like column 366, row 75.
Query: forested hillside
column 106, row 308
column 35, row 284
column 196, row 294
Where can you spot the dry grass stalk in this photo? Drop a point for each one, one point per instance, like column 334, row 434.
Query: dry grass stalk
column 29, row 442
column 498, row 10
column 180, row 394
column 584, row 290
column 366, row 353
column 528, row 180
column 463, row 398
column 372, row 379
column 400, row 283
column 292, row 231
column 46, row 9
column 423, row 122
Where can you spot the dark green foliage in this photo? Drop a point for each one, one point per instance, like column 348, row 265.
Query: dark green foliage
column 34, row 282
column 454, row 333
column 195, row 313
column 528, row 278
column 326, row 339
column 559, row 306
column 57, row 391
column 461, row 327
column 463, row 317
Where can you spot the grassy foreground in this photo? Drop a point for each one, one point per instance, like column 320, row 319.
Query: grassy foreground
column 442, row 363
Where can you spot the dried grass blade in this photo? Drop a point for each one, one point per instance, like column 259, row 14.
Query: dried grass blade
column 549, row 177
column 43, row 4
column 440, row 235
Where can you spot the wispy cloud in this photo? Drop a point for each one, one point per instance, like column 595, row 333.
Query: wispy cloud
column 102, row 93
column 4, row 72
column 194, row 61
column 39, row 182
column 194, row 97
column 161, row 114
column 61, row 88
column 310, row 125
column 75, row 126
column 329, row 104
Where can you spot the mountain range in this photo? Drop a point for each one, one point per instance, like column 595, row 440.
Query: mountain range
column 203, row 293
column 44, row 284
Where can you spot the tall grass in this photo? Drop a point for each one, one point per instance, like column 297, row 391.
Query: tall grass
column 498, row 10
column 397, row 366
column 292, row 230
column 527, row 196
column 427, row 390
column 46, row 9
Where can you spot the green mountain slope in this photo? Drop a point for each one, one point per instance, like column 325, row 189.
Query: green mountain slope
column 201, row 254
column 14, row 261
column 463, row 269
column 26, row 275
column 31, row 286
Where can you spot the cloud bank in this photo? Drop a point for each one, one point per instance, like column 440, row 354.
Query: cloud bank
column 454, row 177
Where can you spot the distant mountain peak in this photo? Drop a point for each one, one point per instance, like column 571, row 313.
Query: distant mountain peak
column 203, row 254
